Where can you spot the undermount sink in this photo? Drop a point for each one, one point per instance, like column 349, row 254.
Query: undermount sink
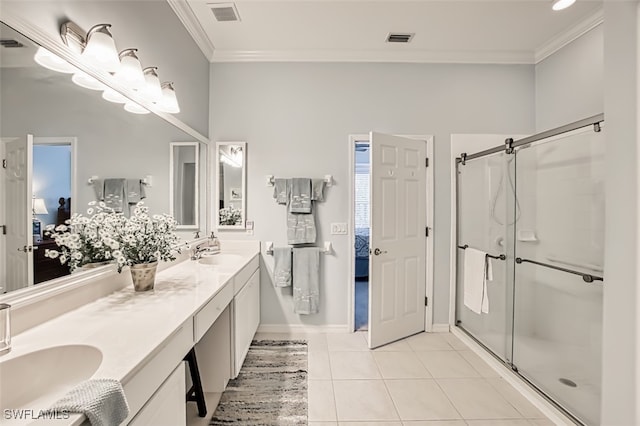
column 221, row 259
column 38, row 379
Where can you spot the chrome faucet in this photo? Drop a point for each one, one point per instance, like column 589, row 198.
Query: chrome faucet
column 5, row 328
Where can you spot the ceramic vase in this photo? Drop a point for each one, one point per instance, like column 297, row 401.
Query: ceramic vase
column 143, row 276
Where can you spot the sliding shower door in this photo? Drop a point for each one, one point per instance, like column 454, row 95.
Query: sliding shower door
column 559, row 253
column 483, row 222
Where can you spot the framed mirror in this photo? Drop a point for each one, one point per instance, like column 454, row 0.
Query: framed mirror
column 231, row 172
column 184, row 159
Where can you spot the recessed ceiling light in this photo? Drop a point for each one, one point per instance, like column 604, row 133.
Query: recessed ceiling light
column 562, row 4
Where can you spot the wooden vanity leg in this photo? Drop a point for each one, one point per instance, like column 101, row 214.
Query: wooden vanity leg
column 195, row 393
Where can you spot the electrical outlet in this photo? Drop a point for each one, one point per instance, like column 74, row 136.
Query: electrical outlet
column 338, row 229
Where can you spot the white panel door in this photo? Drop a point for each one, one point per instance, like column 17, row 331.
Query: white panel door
column 397, row 266
column 19, row 238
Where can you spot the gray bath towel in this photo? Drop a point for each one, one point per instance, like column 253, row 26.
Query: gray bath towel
column 317, row 189
column 301, row 228
column 306, row 280
column 115, row 194
column 281, row 190
column 98, row 188
column 300, row 197
column 282, row 266
column 135, row 191
column 101, row 400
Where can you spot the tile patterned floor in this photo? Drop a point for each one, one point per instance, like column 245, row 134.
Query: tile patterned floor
column 424, row 380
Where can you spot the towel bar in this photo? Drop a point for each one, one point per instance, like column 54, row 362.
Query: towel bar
column 147, row 180
column 500, row 257
column 327, row 249
column 271, row 180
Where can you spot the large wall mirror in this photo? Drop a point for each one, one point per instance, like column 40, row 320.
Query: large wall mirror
column 63, row 142
column 183, row 174
column 231, row 160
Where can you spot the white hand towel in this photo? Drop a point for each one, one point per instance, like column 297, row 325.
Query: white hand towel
column 282, row 266
column 476, row 297
column 306, row 280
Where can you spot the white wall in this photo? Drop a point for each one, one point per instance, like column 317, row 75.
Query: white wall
column 296, row 119
column 620, row 397
column 569, row 83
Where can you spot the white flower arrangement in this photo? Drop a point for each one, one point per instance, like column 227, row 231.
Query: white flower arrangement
column 109, row 236
column 230, row 216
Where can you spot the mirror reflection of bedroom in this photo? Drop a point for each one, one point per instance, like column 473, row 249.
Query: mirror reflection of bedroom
column 51, row 186
column 361, row 238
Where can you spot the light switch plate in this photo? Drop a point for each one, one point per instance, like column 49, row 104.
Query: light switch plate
column 339, row 229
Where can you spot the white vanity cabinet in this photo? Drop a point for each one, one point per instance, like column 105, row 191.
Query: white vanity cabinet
column 166, row 406
column 246, row 318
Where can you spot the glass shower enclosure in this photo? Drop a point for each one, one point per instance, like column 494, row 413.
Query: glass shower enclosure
column 536, row 208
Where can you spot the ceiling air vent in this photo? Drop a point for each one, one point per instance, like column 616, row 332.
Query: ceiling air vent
column 399, row 37
column 10, row 43
column 224, row 12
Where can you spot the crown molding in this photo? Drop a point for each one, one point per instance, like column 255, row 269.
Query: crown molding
column 405, row 56
column 184, row 12
column 561, row 40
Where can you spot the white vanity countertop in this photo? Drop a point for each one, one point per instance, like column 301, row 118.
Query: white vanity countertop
column 129, row 327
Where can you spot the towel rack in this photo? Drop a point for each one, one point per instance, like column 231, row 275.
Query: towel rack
column 147, row 180
column 327, row 248
column 588, row 278
column 500, row 257
column 271, row 180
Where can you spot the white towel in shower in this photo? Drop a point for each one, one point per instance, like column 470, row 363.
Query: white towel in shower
column 477, row 271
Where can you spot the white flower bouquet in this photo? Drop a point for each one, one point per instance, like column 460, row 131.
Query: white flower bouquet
column 108, row 236
column 230, row 216
column 87, row 239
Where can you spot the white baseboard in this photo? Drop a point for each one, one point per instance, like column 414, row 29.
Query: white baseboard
column 555, row 415
column 440, row 328
column 301, row 328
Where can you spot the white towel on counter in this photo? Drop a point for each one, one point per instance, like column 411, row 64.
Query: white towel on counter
column 102, row 400
column 282, row 266
column 477, row 271
column 306, row 280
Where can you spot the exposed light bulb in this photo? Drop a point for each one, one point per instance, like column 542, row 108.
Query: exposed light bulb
column 100, row 50
column 135, row 108
column 562, row 4
column 130, row 72
column 53, row 62
column 152, row 91
column 169, row 101
column 83, row 79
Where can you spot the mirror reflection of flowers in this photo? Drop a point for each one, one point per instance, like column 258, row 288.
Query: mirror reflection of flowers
column 86, row 239
column 105, row 235
column 230, row 216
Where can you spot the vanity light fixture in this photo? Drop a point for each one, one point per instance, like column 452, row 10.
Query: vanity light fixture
column 100, row 50
column 134, row 108
column 83, row 79
column 130, row 72
column 113, row 96
column 169, row 101
column 53, row 62
column 562, row 4
column 152, row 91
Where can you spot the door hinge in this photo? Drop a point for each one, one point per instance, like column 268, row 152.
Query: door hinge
column 4, row 229
column 426, row 301
column 426, row 162
column 4, row 163
column 426, row 233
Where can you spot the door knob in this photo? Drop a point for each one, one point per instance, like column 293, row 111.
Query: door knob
column 26, row 249
column 377, row 251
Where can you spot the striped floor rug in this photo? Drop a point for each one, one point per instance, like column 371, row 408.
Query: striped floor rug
column 271, row 388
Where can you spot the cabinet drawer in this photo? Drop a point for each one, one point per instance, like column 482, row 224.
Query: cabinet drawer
column 243, row 276
column 211, row 311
